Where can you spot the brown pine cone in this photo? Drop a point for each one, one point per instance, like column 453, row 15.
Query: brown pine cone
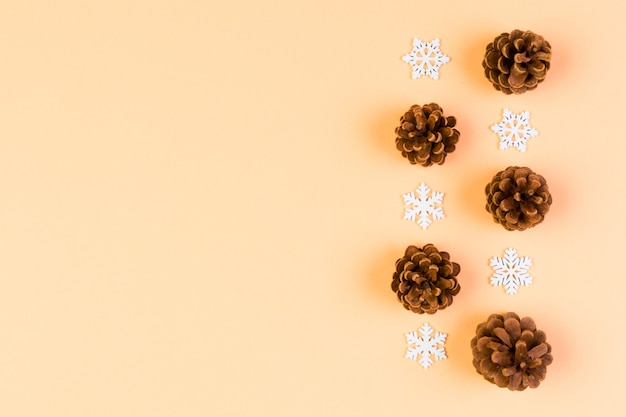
column 517, row 62
column 510, row 352
column 425, row 136
column 518, row 198
column 425, row 279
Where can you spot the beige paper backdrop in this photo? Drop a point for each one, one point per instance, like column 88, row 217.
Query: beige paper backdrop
column 201, row 207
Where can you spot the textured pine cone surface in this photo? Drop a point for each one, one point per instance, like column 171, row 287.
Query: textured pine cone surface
column 425, row 279
column 517, row 62
column 518, row 198
column 425, row 136
column 510, row 352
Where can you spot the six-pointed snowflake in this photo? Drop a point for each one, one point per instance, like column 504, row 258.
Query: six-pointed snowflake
column 426, row 346
column 423, row 206
column 425, row 58
column 514, row 130
column 511, row 271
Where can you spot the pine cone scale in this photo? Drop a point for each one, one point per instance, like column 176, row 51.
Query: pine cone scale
column 502, row 358
column 500, row 380
column 503, row 65
column 501, row 41
column 538, row 351
column 515, row 381
column 512, row 218
column 492, row 58
column 508, row 204
column 517, row 77
column 502, row 334
column 512, row 327
column 528, row 324
column 537, row 69
column 482, row 342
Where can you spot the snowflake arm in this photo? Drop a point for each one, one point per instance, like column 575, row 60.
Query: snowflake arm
column 425, row 59
column 511, row 271
column 422, row 207
column 425, row 361
column 410, row 200
column 514, row 130
column 437, row 199
column 425, row 347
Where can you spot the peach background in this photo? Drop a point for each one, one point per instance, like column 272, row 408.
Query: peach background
column 202, row 207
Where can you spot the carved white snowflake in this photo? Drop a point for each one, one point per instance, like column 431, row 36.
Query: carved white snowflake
column 423, row 206
column 425, row 58
column 426, row 346
column 511, row 271
column 514, row 130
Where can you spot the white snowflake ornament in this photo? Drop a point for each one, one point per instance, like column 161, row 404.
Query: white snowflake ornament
column 425, row 58
column 511, row 271
column 423, row 207
column 425, row 346
column 514, row 130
